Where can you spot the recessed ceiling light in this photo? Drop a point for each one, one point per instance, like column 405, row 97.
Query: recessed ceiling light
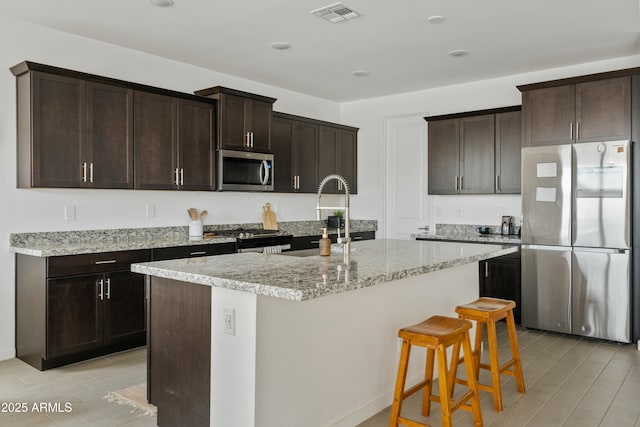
column 436, row 19
column 161, row 3
column 280, row 45
column 360, row 73
column 458, row 52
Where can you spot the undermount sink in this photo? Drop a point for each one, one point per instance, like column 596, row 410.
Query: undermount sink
column 303, row 252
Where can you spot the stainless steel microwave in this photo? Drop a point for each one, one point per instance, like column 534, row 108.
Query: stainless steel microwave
column 245, row 171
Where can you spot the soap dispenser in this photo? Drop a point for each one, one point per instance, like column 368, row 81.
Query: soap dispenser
column 325, row 244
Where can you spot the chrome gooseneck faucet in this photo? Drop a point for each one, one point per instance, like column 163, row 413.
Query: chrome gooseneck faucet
column 346, row 240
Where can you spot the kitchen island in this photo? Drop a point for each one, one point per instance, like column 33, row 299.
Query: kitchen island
column 279, row 340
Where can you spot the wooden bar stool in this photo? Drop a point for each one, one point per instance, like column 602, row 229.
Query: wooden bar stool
column 488, row 311
column 436, row 334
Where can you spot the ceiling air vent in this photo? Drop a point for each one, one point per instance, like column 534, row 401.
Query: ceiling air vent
column 336, row 12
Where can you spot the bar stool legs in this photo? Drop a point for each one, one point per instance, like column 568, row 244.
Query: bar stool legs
column 487, row 311
column 436, row 334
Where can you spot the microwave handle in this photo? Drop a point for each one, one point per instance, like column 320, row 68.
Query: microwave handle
column 264, row 172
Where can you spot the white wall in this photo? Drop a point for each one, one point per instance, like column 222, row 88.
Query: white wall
column 370, row 116
column 43, row 210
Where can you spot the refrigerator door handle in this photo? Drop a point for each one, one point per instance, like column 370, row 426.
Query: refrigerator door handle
column 601, row 250
column 547, row 248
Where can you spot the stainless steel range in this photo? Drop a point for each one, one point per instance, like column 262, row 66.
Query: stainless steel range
column 258, row 239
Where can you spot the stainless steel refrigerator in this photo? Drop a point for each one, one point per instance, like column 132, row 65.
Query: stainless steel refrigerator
column 576, row 239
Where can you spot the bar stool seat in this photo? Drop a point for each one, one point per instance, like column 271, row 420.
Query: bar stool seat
column 487, row 311
column 437, row 333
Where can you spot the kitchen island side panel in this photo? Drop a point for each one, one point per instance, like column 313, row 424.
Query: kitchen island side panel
column 180, row 352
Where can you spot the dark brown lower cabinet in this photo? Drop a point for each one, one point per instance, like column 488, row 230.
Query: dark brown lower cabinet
column 500, row 278
column 179, row 356
column 73, row 308
column 310, row 242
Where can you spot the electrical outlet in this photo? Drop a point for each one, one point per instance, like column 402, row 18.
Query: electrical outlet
column 151, row 211
column 229, row 321
column 69, row 213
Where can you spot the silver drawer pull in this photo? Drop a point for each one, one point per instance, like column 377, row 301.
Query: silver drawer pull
column 111, row 261
column 198, row 253
column 315, row 241
column 357, row 238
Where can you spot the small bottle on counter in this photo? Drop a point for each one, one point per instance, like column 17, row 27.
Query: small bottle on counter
column 325, row 244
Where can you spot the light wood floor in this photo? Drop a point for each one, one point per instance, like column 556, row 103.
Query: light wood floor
column 570, row 382
column 83, row 385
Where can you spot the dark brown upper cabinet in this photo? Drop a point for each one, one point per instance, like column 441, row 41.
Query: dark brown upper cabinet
column 244, row 119
column 294, row 143
column 475, row 152
column 73, row 133
column 306, row 150
column 508, row 130
column 337, row 154
column 78, row 130
column 577, row 110
column 173, row 143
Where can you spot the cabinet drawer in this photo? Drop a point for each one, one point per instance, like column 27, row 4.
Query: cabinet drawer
column 177, row 252
column 73, row 265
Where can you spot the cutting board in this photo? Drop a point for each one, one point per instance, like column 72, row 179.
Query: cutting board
column 269, row 218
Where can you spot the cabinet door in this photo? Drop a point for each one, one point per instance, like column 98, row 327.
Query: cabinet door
column 109, row 147
column 444, row 156
column 124, row 306
column 500, row 278
column 58, row 127
column 155, row 136
column 232, row 125
column 327, row 154
column 195, row 145
column 305, row 141
column 508, row 152
column 477, row 161
column 548, row 116
column 282, row 148
column 260, row 127
column 74, row 315
column 603, row 110
column 347, row 158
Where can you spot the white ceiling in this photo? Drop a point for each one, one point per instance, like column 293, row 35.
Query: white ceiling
column 392, row 40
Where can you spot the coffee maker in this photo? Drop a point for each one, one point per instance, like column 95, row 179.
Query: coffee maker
column 507, row 225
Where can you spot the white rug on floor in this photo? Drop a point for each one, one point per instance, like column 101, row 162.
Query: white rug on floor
column 134, row 396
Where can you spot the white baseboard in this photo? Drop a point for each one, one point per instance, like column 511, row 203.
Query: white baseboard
column 367, row 411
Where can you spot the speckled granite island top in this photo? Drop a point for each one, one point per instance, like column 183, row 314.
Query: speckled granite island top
column 302, row 278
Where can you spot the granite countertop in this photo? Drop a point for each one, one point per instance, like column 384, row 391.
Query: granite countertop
column 60, row 243
column 508, row 239
column 296, row 278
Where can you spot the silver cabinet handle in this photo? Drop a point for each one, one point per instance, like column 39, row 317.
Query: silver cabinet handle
column 251, row 139
column 84, row 172
column 198, row 253
column 497, row 182
column 314, row 241
column 486, row 269
column 577, row 131
column 175, row 177
column 91, row 172
column 101, row 295
column 110, row 261
column 181, row 176
column 571, row 131
column 461, row 183
column 293, row 182
column 247, row 142
column 357, row 238
column 455, row 185
column 109, row 288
